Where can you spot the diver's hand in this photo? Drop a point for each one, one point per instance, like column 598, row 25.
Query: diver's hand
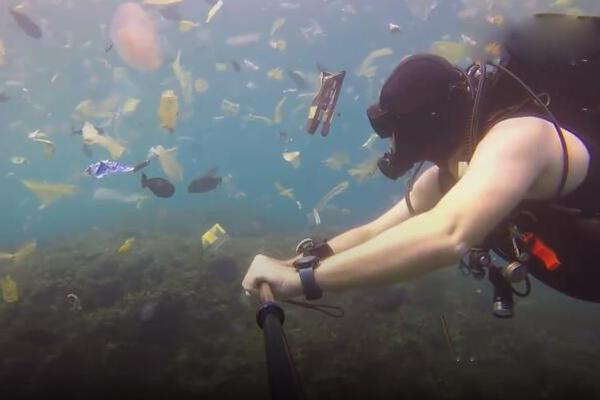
column 283, row 280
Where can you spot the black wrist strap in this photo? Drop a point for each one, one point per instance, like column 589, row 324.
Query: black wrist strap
column 312, row 291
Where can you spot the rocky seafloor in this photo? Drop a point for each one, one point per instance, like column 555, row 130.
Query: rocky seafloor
column 169, row 320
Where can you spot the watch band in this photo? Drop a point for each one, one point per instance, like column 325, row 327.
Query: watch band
column 306, row 269
column 312, row 291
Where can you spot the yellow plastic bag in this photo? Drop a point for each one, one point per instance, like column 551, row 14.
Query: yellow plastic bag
column 9, row 290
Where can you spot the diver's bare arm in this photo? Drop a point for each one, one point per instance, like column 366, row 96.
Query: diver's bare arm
column 425, row 194
column 505, row 165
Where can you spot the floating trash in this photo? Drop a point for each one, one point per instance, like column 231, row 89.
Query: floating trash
column 126, row 246
column 74, row 302
column 10, row 293
column 215, row 237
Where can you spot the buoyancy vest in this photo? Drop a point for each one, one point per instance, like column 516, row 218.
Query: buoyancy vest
column 568, row 76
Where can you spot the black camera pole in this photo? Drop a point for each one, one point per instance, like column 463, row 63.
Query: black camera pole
column 284, row 382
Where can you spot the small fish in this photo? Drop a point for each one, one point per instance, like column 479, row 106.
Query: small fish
column 207, row 182
column 236, row 66
column 4, row 97
column 159, row 186
column 126, row 246
column 26, row 24
column 298, row 79
column 108, row 48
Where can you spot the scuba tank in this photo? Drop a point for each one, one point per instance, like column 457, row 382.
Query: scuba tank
column 549, row 69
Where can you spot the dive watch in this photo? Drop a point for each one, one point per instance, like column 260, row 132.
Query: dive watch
column 306, row 269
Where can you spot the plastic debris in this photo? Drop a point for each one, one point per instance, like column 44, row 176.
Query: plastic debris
column 230, row 108
column 18, row 160
column 335, row 191
column 103, row 168
column 280, row 44
column 261, row 118
column 454, row 52
column 200, row 85
column 41, row 137
column 364, row 170
column 24, row 252
column 322, row 108
column 10, row 293
column 285, row 192
column 215, row 237
column 243, row 40
column 213, row 11
column 47, row 193
column 366, row 68
column 130, row 106
column 468, row 40
column 275, row 74
column 103, row 193
column 102, row 110
column 496, row 19
column 312, row 31
column 293, row 157
column 126, row 246
column 74, row 302
column 21, row 254
column 337, row 160
column 183, row 77
column 278, row 111
column 90, row 136
column 368, row 144
column 316, row 216
column 168, row 110
column 186, row 26
column 277, row 24
column 221, row 67
column 168, row 162
column 251, row 65
column 493, row 49
column 393, row 28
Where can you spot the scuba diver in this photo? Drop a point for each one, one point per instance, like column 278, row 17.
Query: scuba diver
column 513, row 187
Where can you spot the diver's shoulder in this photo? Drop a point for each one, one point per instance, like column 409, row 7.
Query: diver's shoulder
column 522, row 130
column 515, row 138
